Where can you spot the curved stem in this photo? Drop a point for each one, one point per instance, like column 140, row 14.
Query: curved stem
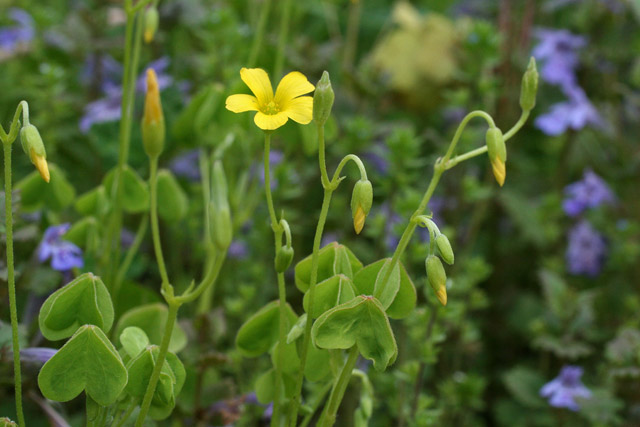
column 337, row 393
column 11, row 282
column 521, row 121
column 172, row 315
column 207, row 282
column 336, row 175
column 155, row 229
column 321, row 158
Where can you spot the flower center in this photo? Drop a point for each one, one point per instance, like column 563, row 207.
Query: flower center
column 271, row 108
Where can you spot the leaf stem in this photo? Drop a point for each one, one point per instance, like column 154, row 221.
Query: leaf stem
column 340, row 386
column 11, row 281
column 155, row 229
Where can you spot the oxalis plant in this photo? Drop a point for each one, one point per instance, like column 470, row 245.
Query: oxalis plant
column 347, row 305
column 128, row 368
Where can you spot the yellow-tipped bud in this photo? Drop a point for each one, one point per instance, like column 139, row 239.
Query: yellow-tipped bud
column 499, row 170
column 153, row 131
column 441, row 293
column 151, row 19
column 40, row 163
column 358, row 219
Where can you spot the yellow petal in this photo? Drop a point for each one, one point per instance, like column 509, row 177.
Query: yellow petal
column 291, row 86
column 300, row 109
column 270, row 121
column 259, row 83
column 442, row 295
column 152, row 103
column 358, row 220
column 41, row 164
column 499, row 170
column 242, row 103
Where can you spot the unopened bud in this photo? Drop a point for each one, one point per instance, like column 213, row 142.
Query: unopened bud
column 361, row 201
column 284, row 256
column 323, row 100
column 497, row 153
column 151, row 19
column 34, row 147
column 153, row 132
column 437, row 277
column 529, row 86
column 444, row 246
column 221, row 226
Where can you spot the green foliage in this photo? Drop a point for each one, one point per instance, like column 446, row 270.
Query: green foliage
column 135, row 190
column 151, row 318
column 260, row 332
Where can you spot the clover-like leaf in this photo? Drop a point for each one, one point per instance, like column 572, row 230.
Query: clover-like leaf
column 135, row 194
column 362, row 322
column 151, row 318
column 133, row 340
column 35, row 192
column 89, row 362
column 172, row 200
column 399, row 296
column 260, row 332
column 329, row 293
column 84, row 300
column 333, row 259
column 266, row 386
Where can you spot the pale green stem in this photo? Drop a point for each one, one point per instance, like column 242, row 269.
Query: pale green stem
column 282, row 296
column 325, row 390
column 259, row 36
column 282, row 39
column 337, row 393
column 127, row 414
column 128, row 259
column 11, row 282
column 207, row 283
column 155, row 229
column 172, row 315
column 353, row 26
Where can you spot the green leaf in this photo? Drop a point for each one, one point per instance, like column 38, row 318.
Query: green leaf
column 84, row 300
column 297, row 329
column 93, row 202
column 405, row 300
column 369, row 280
column 524, row 385
column 318, row 366
column 81, row 230
column 172, row 200
column 362, row 322
column 56, row 195
column 133, row 340
column 151, row 318
column 260, row 332
column 135, row 194
column 266, row 386
column 333, row 259
column 330, row 293
column 89, row 362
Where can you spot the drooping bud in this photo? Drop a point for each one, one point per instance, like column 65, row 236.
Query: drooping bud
column 444, row 246
column 361, row 201
column 497, row 153
column 34, row 147
column 529, row 87
column 153, row 132
column 284, row 256
column 151, row 19
column 323, row 100
column 437, row 277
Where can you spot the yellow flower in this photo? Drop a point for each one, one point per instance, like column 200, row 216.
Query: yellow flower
column 274, row 111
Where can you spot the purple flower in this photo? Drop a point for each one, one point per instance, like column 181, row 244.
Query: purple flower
column 22, row 32
column 378, row 157
column 64, row 255
column 586, row 250
column 237, row 250
column 590, row 192
column 38, row 355
column 575, row 113
column 562, row 390
column 187, row 165
column 557, row 54
column 108, row 108
column 109, row 70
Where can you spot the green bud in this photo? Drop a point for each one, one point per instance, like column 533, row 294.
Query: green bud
column 284, row 256
column 361, row 201
column 323, row 100
column 444, row 246
column 34, row 147
column 495, row 144
column 173, row 201
column 437, row 277
column 221, row 226
column 153, row 129
column 151, row 19
column 219, row 185
column 529, row 86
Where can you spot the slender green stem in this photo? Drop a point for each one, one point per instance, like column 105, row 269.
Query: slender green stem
column 259, row 36
column 128, row 259
column 140, row 5
column 349, row 157
column 321, row 158
column 11, row 281
column 353, row 26
column 155, row 229
column 162, row 354
column 282, row 38
column 282, row 296
column 340, row 386
column 521, row 121
column 206, row 283
column 127, row 414
column 323, row 393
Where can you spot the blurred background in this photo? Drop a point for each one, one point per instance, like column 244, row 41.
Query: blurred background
column 547, row 269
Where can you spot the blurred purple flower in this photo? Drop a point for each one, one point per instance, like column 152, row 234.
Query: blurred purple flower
column 23, row 32
column 38, row 355
column 238, row 250
column 576, row 113
column 103, row 65
column 590, row 192
column 328, row 238
column 108, row 109
column 557, row 54
column 64, row 255
column 268, row 412
column 562, row 390
column 391, row 230
column 586, row 250
column 378, row 158
column 186, row 165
